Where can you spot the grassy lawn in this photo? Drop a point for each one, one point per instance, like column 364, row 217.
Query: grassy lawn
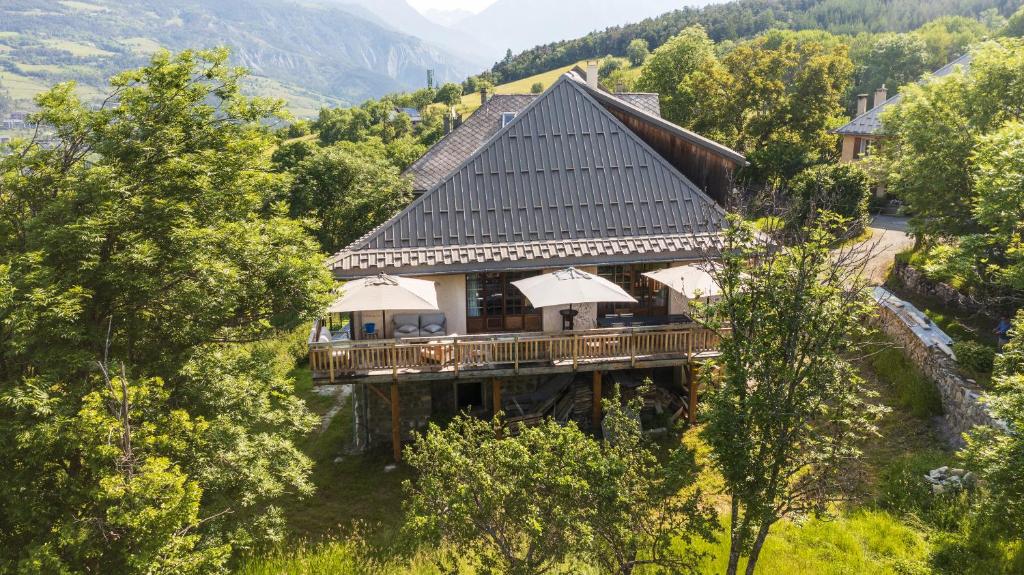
column 470, row 102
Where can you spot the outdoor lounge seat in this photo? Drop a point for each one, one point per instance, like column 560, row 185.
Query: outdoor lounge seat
column 433, row 324
column 406, row 325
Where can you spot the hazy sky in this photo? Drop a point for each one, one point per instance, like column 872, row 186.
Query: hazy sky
column 471, row 5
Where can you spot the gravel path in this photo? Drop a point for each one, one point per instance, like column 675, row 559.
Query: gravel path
column 888, row 237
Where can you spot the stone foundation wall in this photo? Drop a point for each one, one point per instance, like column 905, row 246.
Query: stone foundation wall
column 915, row 280
column 961, row 405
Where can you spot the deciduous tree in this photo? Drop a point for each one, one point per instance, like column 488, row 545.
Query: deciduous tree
column 784, row 418
column 149, row 235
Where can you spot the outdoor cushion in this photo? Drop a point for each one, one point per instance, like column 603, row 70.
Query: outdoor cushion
column 407, row 329
column 432, row 318
column 433, row 328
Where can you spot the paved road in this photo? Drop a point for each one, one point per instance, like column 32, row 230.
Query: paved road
column 888, row 238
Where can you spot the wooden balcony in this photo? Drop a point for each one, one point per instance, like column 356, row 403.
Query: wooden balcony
column 503, row 355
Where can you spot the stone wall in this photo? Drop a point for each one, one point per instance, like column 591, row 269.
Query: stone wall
column 915, row 281
column 928, row 348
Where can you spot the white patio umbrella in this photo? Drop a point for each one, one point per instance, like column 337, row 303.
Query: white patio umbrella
column 570, row 286
column 383, row 292
column 688, row 280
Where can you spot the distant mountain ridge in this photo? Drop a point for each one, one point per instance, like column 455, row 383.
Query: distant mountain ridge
column 317, row 52
column 522, row 24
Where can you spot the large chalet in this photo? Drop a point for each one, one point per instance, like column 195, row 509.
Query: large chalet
column 573, row 176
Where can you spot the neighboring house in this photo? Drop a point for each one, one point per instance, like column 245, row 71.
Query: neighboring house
column 574, row 176
column 864, row 131
column 413, row 114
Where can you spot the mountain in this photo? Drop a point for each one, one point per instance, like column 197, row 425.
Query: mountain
column 521, row 24
column 448, row 18
column 400, row 16
column 310, row 53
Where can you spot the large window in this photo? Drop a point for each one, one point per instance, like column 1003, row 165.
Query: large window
column 493, row 304
column 651, row 296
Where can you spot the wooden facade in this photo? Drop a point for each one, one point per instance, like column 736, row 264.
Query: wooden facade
column 710, row 171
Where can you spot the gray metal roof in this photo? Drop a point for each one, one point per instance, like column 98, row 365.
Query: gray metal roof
column 446, row 155
column 564, row 179
column 870, row 123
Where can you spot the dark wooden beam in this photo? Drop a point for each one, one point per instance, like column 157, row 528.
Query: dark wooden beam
column 693, row 375
column 597, row 400
column 396, row 423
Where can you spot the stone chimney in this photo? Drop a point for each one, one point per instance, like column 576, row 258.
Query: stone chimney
column 592, row 73
column 862, row 103
column 880, row 96
column 483, row 96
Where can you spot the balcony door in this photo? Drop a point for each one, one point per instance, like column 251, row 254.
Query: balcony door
column 651, row 296
column 493, row 304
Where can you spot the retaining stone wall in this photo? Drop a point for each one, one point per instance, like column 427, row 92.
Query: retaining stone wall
column 915, row 280
column 961, row 405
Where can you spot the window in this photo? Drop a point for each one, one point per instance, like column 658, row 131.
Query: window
column 861, row 146
column 651, row 296
column 506, row 118
column 493, row 304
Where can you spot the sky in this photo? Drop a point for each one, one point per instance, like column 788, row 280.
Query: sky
column 470, row 5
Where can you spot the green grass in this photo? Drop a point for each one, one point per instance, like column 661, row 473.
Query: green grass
column 910, row 389
column 470, row 102
column 862, row 542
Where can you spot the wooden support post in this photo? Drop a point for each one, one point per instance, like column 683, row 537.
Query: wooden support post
column 330, row 359
column 693, row 373
column 496, row 394
column 396, row 424
column 597, row 400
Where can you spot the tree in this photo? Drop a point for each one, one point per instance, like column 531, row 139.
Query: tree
column 641, row 509
column 926, row 156
column 687, row 76
column 842, row 189
column 346, row 190
column 637, row 51
column 948, row 37
column 507, row 503
column 998, row 166
column 450, row 94
column 785, row 94
column 937, row 126
column 893, row 60
column 527, row 502
column 995, row 454
column 140, row 435
column 784, row 417
column 1014, row 25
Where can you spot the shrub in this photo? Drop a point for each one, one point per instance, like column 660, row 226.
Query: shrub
column 839, row 188
column 537, row 88
column 974, row 356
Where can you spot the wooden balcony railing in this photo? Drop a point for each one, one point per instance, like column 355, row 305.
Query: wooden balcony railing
column 339, row 360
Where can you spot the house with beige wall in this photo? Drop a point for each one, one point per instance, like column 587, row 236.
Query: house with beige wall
column 865, row 131
column 575, row 176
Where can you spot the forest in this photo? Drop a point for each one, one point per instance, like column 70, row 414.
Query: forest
column 733, row 21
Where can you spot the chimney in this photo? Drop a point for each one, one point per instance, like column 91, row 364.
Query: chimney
column 592, row 73
column 862, row 103
column 483, row 96
column 880, row 96
column 447, row 124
